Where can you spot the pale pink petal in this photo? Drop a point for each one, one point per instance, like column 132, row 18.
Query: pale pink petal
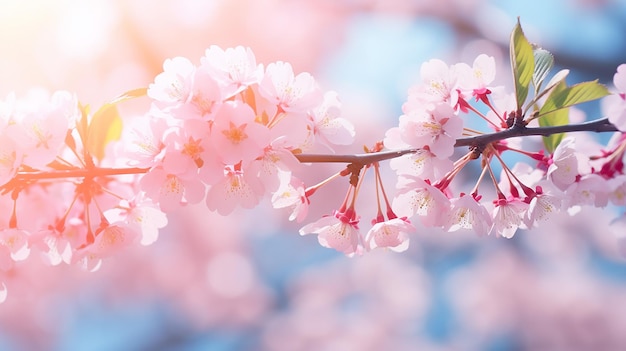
column 236, row 136
column 469, row 214
column 392, row 234
column 234, row 190
column 619, row 79
column 173, row 85
column 10, row 159
column 416, row 197
column 16, row 241
column 542, row 207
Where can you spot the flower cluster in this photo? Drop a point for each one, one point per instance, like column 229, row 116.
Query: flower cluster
column 76, row 187
column 59, row 200
column 443, row 109
column 227, row 131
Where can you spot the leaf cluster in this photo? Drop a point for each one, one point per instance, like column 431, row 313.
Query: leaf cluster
column 531, row 65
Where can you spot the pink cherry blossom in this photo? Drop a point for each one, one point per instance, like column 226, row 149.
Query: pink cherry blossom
column 422, row 163
column 269, row 167
column 469, row 214
column 144, row 146
column 589, row 190
column 617, row 192
column 439, row 85
column 236, row 136
column 476, row 79
column 41, row 123
column 10, row 158
column 205, row 97
column 329, row 127
column 112, row 239
column 13, row 247
column 172, row 87
column 235, row 189
column 291, row 194
column 143, row 218
column 508, row 215
column 393, row 139
column 339, row 231
column 235, row 68
column 87, row 261
column 295, row 131
column 109, row 240
column 615, row 105
column 183, row 152
column 74, row 232
column 392, row 234
column 417, row 197
column 542, row 206
column 436, row 129
column 619, row 79
column 298, row 93
column 567, row 164
column 211, row 168
column 59, row 251
column 171, row 191
column 53, row 247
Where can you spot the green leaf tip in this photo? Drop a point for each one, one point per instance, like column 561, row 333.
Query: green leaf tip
column 522, row 63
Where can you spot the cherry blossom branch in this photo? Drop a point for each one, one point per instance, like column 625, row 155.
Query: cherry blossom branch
column 78, row 173
column 362, row 159
column 598, row 126
column 601, row 125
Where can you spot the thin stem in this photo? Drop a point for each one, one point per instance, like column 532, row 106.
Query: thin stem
column 483, row 116
column 379, row 212
column 480, row 178
column 382, row 188
column 467, row 131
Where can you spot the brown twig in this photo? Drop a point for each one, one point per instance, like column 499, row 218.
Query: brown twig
column 598, row 126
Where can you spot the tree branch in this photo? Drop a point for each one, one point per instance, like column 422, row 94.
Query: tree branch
column 77, row 173
column 598, row 126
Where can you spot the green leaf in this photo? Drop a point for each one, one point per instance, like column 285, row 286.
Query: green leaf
column 131, row 94
column 552, row 141
column 556, row 79
column 522, row 63
column 570, row 96
column 106, row 124
column 554, row 118
column 544, row 61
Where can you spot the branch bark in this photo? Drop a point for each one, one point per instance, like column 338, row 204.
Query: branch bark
column 601, row 125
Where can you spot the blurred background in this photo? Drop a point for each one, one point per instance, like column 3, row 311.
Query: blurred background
column 249, row 281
